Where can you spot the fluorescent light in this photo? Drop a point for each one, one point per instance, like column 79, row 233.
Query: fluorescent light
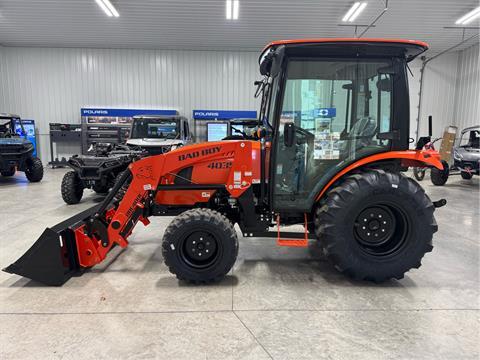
column 104, row 8
column 108, row 8
column 468, row 18
column 357, row 12
column 354, row 11
column 351, row 11
column 231, row 7
column 235, row 9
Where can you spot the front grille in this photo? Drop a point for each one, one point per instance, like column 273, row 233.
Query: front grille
column 90, row 173
column 158, row 150
column 11, row 148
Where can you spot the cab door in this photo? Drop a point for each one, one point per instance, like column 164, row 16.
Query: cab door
column 332, row 112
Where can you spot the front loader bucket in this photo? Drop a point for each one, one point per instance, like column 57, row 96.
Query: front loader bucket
column 53, row 258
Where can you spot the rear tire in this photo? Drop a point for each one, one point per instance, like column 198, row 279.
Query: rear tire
column 440, row 177
column 200, row 246
column 419, row 173
column 9, row 172
column 72, row 188
column 376, row 225
column 34, row 170
column 466, row 175
column 99, row 189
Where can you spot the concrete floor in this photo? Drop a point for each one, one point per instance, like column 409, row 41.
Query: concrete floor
column 278, row 303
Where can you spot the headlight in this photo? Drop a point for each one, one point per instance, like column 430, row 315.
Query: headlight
column 457, row 155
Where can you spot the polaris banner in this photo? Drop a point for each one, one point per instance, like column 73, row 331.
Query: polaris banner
column 125, row 112
column 223, row 114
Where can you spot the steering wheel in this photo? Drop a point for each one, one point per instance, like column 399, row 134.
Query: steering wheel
column 239, row 132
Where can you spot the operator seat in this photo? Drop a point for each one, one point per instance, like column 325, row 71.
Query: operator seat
column 361, row 135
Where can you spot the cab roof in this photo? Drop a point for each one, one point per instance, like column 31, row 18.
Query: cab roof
column 413, row 48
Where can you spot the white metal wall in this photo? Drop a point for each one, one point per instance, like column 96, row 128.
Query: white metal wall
column 438, row 94
column 467, row 100
column 414, row 88
column 52, row 84
column 451, row 92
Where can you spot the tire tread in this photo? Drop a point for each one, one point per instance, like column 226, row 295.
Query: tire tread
column 328, row 213
column 184, row 220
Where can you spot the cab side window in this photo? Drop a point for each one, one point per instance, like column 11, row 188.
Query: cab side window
column 338, row 108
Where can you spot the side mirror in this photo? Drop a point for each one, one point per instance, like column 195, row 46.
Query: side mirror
column 289, row 134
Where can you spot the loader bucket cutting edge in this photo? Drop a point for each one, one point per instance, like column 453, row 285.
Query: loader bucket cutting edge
column 53, row 258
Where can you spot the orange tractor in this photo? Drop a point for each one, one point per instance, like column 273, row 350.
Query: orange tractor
column 328, row 153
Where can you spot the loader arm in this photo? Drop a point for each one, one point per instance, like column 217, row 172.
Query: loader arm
column 85, row 239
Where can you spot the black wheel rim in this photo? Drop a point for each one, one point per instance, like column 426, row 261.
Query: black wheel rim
column 200, row 249
column 381, row 229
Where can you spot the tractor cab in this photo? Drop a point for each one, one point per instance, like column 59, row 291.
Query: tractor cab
column 328, row 103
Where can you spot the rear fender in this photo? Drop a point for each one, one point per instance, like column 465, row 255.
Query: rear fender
column 424, row 158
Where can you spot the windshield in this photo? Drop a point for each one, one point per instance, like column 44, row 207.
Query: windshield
column 6, row 128
column 338, row 96
column 155, row 129
column 470, row 139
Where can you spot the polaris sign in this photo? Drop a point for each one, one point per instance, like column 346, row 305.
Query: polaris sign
column 325, row 112
column 94, row 112
column 125, row 112
column 223, row 114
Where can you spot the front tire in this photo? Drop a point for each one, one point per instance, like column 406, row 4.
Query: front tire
column 34, row 170
column 72, row 188
column 200, row 246
column 376, row 225
column 440, row 177
column 100, row 189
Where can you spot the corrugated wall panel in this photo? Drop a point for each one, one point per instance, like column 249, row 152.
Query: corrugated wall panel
column 52, row 84
column 414, row 87
column 3, row 82
column 467, row 104
column 451, row 91
column 438, row 94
